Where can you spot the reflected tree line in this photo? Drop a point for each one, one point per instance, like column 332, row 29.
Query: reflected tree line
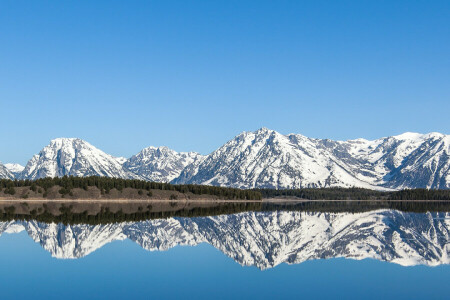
column 106, row 216
column 67, row 216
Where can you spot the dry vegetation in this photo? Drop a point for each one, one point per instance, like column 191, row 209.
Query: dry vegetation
column 93, row 193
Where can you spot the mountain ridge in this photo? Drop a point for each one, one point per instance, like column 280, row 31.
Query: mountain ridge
column 268, row 159
column 73, row 156
column 160, row 164
column 264, row 158
column 4, row 172
column 15, row 169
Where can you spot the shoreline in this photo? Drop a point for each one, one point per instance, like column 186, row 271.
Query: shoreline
column 202, row 201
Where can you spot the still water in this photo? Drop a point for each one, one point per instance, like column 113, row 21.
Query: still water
column 375, row 254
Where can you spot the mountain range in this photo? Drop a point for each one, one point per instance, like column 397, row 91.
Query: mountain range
column 261, row 159
column 265, row 239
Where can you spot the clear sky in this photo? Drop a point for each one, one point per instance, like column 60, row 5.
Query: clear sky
column 191, row 75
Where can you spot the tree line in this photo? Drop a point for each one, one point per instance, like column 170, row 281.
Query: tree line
column 356, row 194
column 105, row 184
column 106, row 216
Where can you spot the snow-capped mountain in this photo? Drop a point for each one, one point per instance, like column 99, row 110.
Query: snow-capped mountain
column 268, row 159
column 264, row 159
column 15, row 169
column 71, row 156
column 5, row 173
column 267, row 239
column 161, row 164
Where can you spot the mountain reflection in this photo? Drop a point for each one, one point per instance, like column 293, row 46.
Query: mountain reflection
column 266, row 239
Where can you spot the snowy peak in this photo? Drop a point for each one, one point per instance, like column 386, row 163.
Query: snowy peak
column 418, row 137
column 5, row 173
column 15, row 169
column 262, row 159
column 72, row 156
column 160, row 164
column 267, row 159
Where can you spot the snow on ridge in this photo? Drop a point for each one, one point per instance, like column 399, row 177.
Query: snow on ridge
column 418, row 136
column 160, row 164
column 263, row 158
column 73, row 156
column 14, row 168
column 267, row 159
column 5, row 173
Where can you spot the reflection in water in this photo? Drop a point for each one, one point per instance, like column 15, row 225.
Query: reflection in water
column 266, row 239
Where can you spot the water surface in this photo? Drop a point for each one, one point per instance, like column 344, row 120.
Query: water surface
column 264, row 254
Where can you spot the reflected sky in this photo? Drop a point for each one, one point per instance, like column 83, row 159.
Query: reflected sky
column 123, row 268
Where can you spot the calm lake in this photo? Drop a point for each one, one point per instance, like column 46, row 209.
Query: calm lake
column 266, row 254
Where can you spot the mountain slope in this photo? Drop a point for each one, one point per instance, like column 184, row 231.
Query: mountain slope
column 71, row 156
column 264, row 159
column 427, row 165
column 5, row 173
column 409, row 160
column 15, row 169
column 268, row 159
column 160, row 164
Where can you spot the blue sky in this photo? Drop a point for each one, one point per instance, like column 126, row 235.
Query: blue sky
column 191, row 75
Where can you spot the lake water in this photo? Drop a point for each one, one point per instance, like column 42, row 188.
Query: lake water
column 375, row 254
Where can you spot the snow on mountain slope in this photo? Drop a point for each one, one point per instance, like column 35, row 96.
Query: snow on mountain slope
column 427, row 165
column 160, row 164
column 121, row 160
column 268, row 159
column 267, row 239
column 409, row 160
column 264, row 159
column 5, row 173
column 71, row 156
column 15, row 169
column 189, row 171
